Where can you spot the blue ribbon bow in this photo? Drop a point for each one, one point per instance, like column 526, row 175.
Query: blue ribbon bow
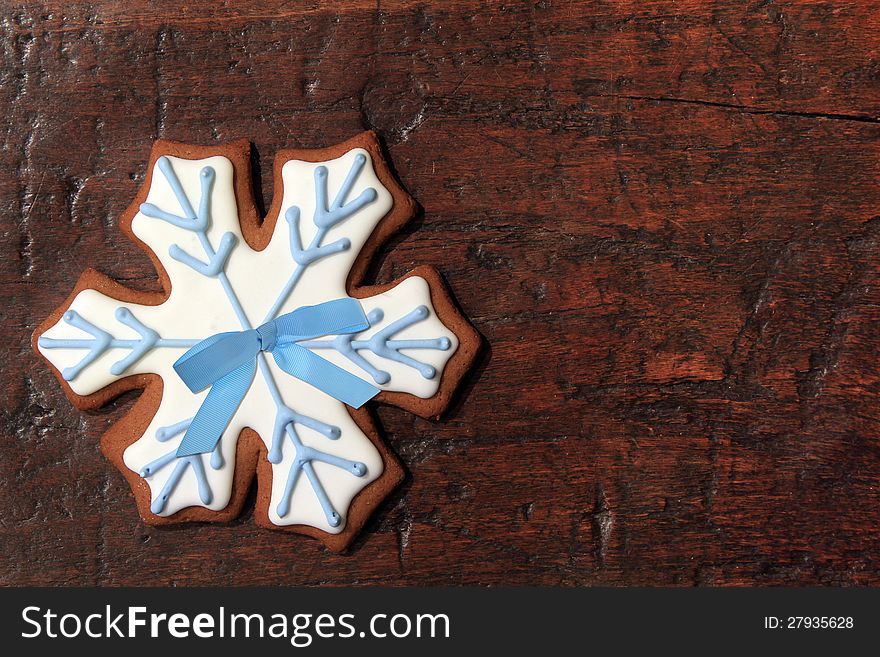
column 228, row 362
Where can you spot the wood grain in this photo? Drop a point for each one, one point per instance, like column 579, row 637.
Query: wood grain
column 662, row 216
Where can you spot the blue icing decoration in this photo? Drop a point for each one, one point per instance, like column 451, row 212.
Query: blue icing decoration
column 164, row 434
column 195, row 462
column 383, row 346
column 149, row 338
column 217, row 262
column 101, row 341
column 303, row 463
column 328, row 216
column 313, row 253
column 325, row 218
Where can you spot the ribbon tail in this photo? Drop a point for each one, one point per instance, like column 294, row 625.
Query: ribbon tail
column 216, row 412
column 324, row 375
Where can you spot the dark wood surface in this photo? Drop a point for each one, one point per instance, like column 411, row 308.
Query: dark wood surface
column 664, row 217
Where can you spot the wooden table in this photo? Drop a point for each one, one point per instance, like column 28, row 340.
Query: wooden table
column 664, row 217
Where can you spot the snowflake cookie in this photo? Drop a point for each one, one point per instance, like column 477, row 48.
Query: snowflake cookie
column 259, row 353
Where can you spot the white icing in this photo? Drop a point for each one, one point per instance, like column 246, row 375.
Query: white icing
column 198, row 307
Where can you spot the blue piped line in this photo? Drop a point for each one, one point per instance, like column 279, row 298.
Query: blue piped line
column 148, row 340
column 305, row 257
column 101, row 341
column 190, row 221
column 164, row 434
column 154, row 466
column 287, row 416
column 303, row 463
column 327, row 216
column 215, row 264
column 383, row 346
column 198, row 468
column 217, row 456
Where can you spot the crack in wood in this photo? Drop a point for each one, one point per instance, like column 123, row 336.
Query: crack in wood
column 746, row 109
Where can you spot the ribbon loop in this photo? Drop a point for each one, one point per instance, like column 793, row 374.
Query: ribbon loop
column 227, row 362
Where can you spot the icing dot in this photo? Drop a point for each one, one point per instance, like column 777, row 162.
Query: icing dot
column 444, row 343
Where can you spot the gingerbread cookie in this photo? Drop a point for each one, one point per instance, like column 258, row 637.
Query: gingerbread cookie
column 263, row 347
